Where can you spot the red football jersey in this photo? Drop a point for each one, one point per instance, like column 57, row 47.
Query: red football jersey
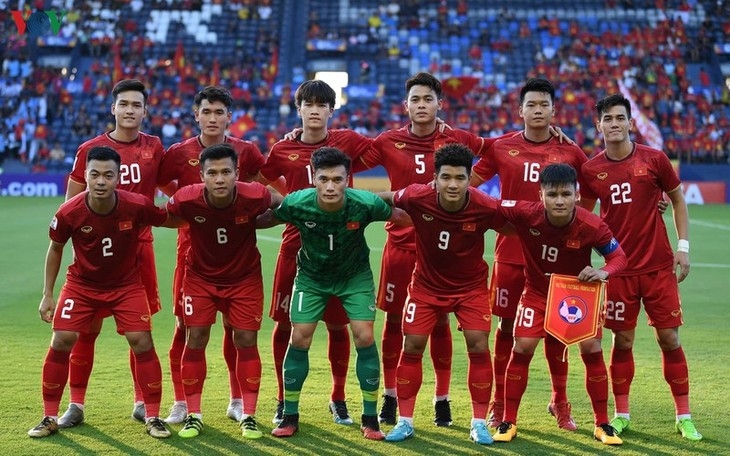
column 105, row 246
column 181, row 162
column 291, row 159
column 518, row 162
column 549, row 249
column 223, row 241
column 140, row 165
column 629, row 190
column 408, row 159
column 449, row 245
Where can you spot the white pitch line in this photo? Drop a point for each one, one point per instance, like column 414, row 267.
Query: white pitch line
column 710, row 265
column 716, row 226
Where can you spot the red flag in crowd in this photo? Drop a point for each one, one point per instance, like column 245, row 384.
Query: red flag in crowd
column 458, row 86
column 215, row 79
column 242, row 125
column 117, row 72
column 179, row 60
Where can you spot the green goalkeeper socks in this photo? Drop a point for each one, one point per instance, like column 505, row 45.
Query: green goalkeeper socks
column 296, row 369
column 368, row 374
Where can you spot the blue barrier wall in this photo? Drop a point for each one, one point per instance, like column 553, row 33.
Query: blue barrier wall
column 705, row 173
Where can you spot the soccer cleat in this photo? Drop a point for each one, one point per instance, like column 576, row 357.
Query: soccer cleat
column 688, row 430
column 370, row 427
column 249, row 428
column 496, row 410
column 73, row 416
column 192, row 427
column 607, row 434
column 235, row 410
column 279, row 415
column 479, row 434
column 338, row 409
column 46, row 427
column 442, row 413
column 619, row 424
column 561, row 412
column 505, row 432
column 138, row 411
column 288, row 427
column 388, row 409
column 178, row 412
column 156, row 428
column 403, row 430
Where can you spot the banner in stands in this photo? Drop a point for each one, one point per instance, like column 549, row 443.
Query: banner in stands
column 704, row 192
column 33, row 184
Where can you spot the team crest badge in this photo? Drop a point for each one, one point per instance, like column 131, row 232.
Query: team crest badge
column 86, row 229
column 293, row 157
column 54, row 223
column 514, row 152
column 534, row 232
column 199, row 219
column 427, row 217
column 310, row 224
column 572, row 310
column 602, row 176
column 400, row 145
column 509, row 203
column 193, row 162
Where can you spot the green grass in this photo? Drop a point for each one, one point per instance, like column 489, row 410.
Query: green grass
column 109, row 430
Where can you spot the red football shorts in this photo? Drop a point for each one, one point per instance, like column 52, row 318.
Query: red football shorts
column 505, row 289
column 422, row 311
column 530, row 318
column 183, row 245
column 659, row 292
column 286, row 270
column 146, row 255
column 77, row 307
column 242, row 304
column 396, row 272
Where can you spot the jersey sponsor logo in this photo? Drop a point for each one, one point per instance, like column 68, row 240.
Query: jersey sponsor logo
column 54, row 223
column 155, row 385
column 253, row 380
column 597, row 378
column 353, row 225
column 293, row 157
column 86, row 229
column 640, row 170
column 371, row 308
column 372, row 381
column 189, row 381
column 241, row 219
column 552, row 158
column 402, row 381
column 427, row 217
column 199, row 219
column 257, row 318
column 400, row 145
column 51, row 385
column 572, row 310
column 676, row 313
column 310, row 224
column 469, row 227
column 534, row 232
column 487, row 317
column 481, row 385
column 193, row 162
column 509, row 203
column 145, row 318
column 125, row 225
column 514, row 152
column 289, row 380
column 147, row 154
column 573, row 244
column 680, row 381
column 513, row 377
column 602, row 176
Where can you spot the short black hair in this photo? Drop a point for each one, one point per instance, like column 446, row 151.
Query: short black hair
column 330, row 157
column 104, row 153
column 453, row 154
column 213, row 94
column 608, row 102
column 217, row 152
column 538, row 85
column 424, row 79
column 127, row 85
column 558, row 174
column 315, row 91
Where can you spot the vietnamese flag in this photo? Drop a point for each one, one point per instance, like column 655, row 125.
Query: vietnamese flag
column 242, row 125
column 215, row 78
column 117, row 72
column 459, row 86
column 179, row 60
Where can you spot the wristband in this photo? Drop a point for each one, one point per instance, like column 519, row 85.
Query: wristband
column 683, row 246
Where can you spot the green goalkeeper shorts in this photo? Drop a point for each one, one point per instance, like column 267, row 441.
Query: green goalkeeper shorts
column 309, row 297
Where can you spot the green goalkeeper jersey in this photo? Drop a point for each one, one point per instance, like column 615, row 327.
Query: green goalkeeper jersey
column 333, row 243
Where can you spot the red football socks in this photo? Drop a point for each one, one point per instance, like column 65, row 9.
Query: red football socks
column 338, row 352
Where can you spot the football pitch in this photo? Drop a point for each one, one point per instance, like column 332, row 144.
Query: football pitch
column 110, row 430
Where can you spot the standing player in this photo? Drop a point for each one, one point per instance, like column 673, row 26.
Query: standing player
column 315, row 102
column 557, row 238
column 212, row 107
column 140, row 154
column 629, row 179
column 104, row 225
column 518, row 161
column 333, row 261
column 222, row 273
column 450, row 220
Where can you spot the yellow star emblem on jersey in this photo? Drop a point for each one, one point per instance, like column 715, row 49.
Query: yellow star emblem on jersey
column 400, row 145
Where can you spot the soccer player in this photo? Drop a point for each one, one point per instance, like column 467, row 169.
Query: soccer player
column 450, row 220
column 518, row 160
column 315, row 101
column 105, row 226
column 141, row 155
column 629, row 178
column 332, row 261
column 557, row 238
column 212, row 108
column 222, row 273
